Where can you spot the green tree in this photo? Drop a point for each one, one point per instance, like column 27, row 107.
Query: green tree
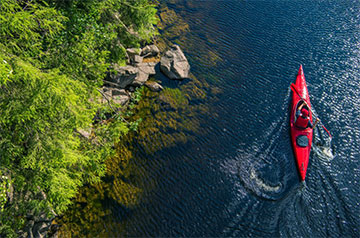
column 53, row 57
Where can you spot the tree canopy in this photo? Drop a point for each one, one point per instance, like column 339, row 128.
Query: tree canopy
column 53, row 57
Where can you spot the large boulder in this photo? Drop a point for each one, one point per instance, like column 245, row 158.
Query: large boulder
column 123, row 76
column 141, row 78
column 145, row 69
column 174, row 64
column 148, row 68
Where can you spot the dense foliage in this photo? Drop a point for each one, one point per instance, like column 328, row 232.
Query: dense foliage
column 53, row 57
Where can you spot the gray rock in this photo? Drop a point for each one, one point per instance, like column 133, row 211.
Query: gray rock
column 149, row 51
column 119, row 96
column 134, row 55
column 174, row 64
column 40, row 229
column 124, row 75
column 141, row 78
column 154, row 86
column 117, row 92
column 130, row 75
column 148, row 68
column 106, row 92
column 121, row 99
column 136, row 60
column 133, row 51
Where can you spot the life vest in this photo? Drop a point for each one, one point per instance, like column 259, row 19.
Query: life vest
column 302, row 122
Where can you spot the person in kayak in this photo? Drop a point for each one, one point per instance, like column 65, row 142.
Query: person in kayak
column 302, row 118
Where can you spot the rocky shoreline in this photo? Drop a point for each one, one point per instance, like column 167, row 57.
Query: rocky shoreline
column 122, row 81
column 119, row 85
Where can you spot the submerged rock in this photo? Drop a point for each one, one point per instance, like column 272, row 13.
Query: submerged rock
column 174, row 64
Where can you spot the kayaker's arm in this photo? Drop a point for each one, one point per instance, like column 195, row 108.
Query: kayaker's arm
column 298, row 110
column 301, row 106
column 316, row 122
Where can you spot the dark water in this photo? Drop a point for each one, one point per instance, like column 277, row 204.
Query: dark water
column 236, row 177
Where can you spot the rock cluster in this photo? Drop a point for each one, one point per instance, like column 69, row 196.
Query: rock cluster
column 122, row 80
column 37, row 224
column 120, row 83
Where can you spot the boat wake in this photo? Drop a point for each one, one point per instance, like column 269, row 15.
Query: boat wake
column 262, row 184
column 262, row 172
column 252, row 178
column 259, row 174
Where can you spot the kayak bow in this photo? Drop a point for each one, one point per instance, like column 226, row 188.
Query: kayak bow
column 301, row 139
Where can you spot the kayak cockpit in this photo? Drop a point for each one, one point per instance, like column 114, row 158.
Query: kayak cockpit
column 302, row 141
column 300, row 102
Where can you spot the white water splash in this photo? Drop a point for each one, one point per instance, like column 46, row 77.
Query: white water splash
column 324, row 152
column 322, row 146
column 261, row 184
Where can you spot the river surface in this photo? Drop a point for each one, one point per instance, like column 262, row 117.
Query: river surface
column 235, row 175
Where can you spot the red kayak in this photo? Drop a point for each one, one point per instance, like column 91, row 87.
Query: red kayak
column 301, row 138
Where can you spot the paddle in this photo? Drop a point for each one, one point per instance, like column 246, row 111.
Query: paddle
column 294, row 89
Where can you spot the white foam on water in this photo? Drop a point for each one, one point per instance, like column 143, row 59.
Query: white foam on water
column 261, row 184
column 323, row 152
column 322, row 147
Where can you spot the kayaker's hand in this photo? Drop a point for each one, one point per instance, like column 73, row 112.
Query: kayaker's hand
column 316, row 122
